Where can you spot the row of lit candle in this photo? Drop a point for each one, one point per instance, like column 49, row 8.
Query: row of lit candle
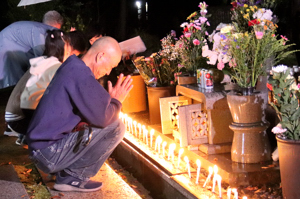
column 139, row 131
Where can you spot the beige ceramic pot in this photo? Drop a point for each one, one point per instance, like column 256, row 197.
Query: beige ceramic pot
column 250, row 142
column 154, row 93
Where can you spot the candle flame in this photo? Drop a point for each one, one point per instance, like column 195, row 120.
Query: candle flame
column 215, row 169
column 198, row 162
column 151, row 132
column 186, row 159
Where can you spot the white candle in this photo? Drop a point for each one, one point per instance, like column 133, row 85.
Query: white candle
column 236, row 195
column 215, row 177
column 244, row 197
column 130, row 125
column 140, row 129
column 164, row 144
column 146, row 135
column 186, row 159
column 134, row 124
column 210, row 170
column 198, row 170
column 126, row 122
column 151, row 136
column 179, row 154
column 144, row 128
column 171, row 151
column 158, row 140
column 121, row 116
column 228, row 193
column 219, row 179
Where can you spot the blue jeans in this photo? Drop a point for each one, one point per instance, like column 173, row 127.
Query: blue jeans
column 87, row 160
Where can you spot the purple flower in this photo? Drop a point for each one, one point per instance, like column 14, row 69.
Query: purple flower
column 223, row 37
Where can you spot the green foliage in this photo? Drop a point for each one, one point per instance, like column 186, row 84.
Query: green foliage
column 286, row 103
column 251, row 54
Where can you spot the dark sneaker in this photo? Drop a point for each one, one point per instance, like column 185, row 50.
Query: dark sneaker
column 70, row 183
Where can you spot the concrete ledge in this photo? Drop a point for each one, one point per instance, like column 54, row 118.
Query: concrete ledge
column 11, row 186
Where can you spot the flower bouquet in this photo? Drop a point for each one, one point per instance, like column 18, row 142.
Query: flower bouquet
column 286, row 102
column 247, row 49
column 161, row 68
column 193, row 38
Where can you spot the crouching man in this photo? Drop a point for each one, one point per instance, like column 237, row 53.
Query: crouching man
column 76, row 124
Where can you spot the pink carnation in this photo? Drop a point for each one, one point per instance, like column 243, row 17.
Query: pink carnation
column 220, row 65
column 196, row 42
column 187, row 35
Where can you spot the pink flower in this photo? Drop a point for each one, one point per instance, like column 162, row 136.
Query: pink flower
column 187, row 35
column 278, row 129
column 171, row 82
column 196, row 42
column 283, row 37
column 220, row 65
column 259, row 34
column 207, row 23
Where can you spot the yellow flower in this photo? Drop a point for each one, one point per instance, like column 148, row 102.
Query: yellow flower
column 242, row 12
column 246, row 34
column 248, row 10
column 255, row 7
column 246, row 16
column 245, row 5
column 191, row 15
column 251, row 8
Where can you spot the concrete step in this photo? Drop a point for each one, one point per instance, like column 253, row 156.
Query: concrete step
column 11, row 186
column 113, row 187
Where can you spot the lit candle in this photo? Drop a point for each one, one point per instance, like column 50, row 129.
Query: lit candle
column 130, row 129
column 210, row 170
column 146, row 135
column 140, row 129
column 186, row 159
column 236, row 195
column 134, row 124
column 219, row 179
column 164, row 144
column 151, row 136
column 158, row 140
column 144, row 128
column 215, row 177
column 121, row 116
column 179, row 154
column 126, row 121
column 171, row 151
column 244, row 197
column 198, row 170
column 228, row 193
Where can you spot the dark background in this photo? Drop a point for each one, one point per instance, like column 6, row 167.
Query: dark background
column 119, row 18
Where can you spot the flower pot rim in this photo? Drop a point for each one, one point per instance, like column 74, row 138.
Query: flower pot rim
column 287, row 140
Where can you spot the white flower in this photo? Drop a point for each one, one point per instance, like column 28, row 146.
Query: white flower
column 279, row 69
column 184, row 24
column 263, row 14
column 278, row 129
column 227, row 29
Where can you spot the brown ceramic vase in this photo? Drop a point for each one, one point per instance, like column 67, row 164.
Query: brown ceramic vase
column 154, row 93
column 289, row 163
column 250, row 142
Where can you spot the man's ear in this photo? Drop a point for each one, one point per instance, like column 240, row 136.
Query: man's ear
column 99, row 56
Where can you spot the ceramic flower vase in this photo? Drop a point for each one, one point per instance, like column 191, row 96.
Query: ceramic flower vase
column 289, row 163
column 136, row 100
column 250, row 142
column 154, row 93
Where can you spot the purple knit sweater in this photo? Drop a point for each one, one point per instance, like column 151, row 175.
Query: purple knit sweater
column 74, row 95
